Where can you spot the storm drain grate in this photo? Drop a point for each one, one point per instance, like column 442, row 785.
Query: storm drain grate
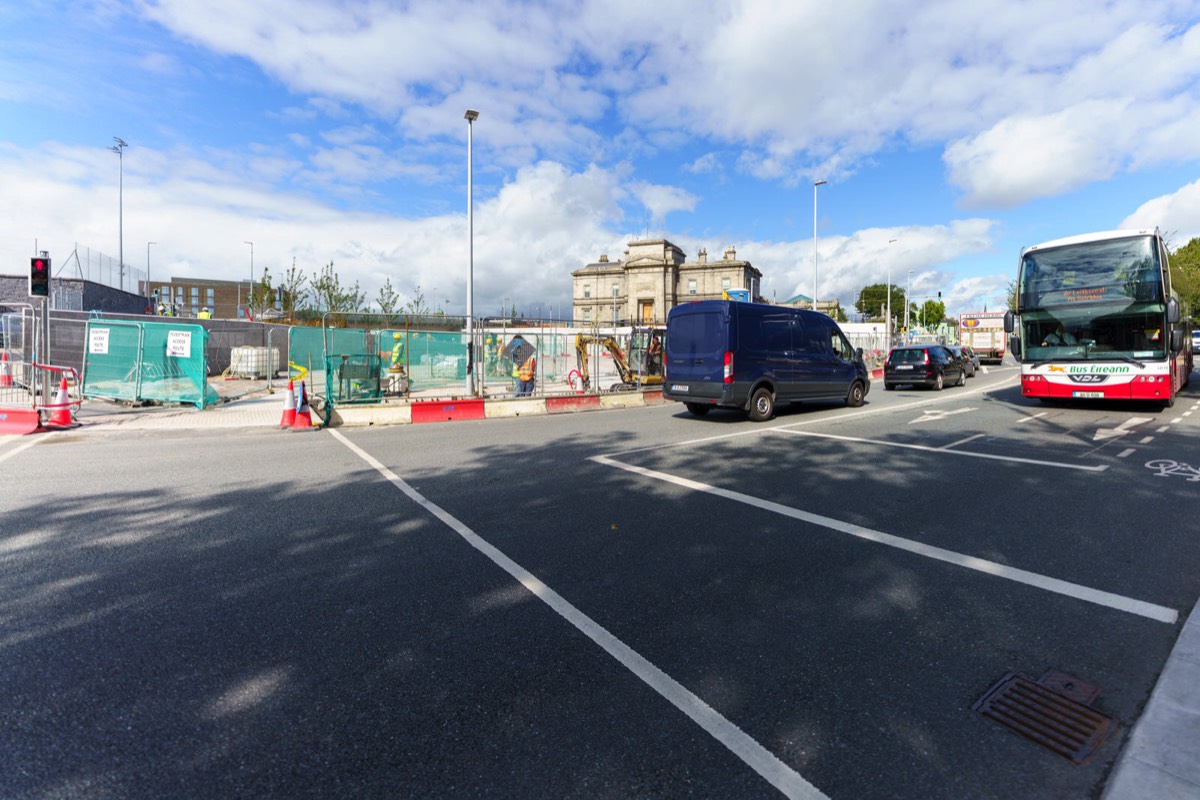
column 1048, row 717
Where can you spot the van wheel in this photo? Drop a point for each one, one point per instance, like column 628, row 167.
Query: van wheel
column 854, row 398
column 697, row 409
column 762, row 405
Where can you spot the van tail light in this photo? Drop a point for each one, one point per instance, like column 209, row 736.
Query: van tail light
column 728, row 377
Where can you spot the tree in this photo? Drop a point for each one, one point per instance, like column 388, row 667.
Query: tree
column 874, row 297
column 329, row 295
column 292, row 291
column 933, row 313
column 1185, row 275
column 416, row 304
column 388, row 299
column 1012, row 295
column 262, row 294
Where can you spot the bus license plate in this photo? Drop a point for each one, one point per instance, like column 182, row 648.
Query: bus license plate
column 1087, row 394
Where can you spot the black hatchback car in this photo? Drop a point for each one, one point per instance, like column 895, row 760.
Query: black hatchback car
column 931, row 365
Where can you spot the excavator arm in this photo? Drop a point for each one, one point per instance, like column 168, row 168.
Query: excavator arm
column 629, row 379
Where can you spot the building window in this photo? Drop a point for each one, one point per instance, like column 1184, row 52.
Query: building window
column 209, row 297
column 587, row 290
column 587, row 314
column 691, row 286
column 724, row 283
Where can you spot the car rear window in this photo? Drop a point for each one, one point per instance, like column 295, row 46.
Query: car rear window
column 696, row 333
column 913, row 356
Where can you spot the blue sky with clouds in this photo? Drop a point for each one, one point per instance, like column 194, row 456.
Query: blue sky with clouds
column 334, row 131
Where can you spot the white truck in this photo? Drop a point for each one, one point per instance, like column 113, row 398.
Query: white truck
column 983, row 332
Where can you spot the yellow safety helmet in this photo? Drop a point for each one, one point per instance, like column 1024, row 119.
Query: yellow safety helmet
column 397, row 335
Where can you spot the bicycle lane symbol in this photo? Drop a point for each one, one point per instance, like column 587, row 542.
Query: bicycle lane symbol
column 1167, row 468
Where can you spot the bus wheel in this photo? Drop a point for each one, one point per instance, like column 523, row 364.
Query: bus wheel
column 854, row 398
column 1170, row 401
column 762, row 405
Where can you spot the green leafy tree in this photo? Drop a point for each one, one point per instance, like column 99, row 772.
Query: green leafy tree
column 874, row 297
column 1012, row 296
column 933, row 313
column 328, row 294
column 1185, row 275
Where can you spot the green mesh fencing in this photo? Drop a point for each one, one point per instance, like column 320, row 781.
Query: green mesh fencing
column 139, row 361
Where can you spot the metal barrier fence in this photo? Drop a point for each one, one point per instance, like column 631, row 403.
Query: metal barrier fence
column 364, row 358
column 139, row 361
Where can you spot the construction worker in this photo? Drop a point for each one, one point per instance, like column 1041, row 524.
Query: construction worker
column 526, row 375
column 398, row 350
column 204, row 313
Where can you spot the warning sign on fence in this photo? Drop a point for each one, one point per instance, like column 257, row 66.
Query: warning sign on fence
column 179, row 344
column 98, row 341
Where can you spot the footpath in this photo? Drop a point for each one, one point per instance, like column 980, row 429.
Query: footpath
column 1160, row 759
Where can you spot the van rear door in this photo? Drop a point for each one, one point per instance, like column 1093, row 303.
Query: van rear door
column 698, row 336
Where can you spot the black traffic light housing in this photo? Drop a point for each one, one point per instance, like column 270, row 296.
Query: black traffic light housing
column 39, row 276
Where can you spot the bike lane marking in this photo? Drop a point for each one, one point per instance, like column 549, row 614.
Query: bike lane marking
column 741, row 744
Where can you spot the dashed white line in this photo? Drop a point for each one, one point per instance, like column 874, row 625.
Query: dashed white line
column 1085, row 593
column 1127, row 452
column 961, row 441
column 1146, row 440
column 757, row 757
column 1035, row 416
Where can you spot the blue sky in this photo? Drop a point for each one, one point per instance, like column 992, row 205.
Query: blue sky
column 334, row 131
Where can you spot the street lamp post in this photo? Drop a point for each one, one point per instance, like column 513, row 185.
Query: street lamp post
column 887, row 325
column 148, row 289
column 119, row 149
column 250, row 295
column 907, row 300
column 470, row 117
column 815, row 185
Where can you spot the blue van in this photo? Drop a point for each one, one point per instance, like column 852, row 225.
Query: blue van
column 752, row 356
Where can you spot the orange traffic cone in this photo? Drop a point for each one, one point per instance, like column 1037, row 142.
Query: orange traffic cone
column 289, row 407
column 60, row 417
column 303, row 419
column 5, row 374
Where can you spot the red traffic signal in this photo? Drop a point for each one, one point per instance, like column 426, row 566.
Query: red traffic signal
column 39, row 277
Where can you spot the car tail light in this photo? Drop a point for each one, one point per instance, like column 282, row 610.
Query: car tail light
column 926, row 352
column 728, row 377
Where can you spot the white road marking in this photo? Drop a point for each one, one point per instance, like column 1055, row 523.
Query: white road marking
column 937, row 413
column 757, row 757
column 1120, row 430
column 927, row 449
column 1085, row 593
column 961, row 441
column 1126, row 452
column 1035, row 416
column 1146, row 440
column 28, row 444
column 1163, row 429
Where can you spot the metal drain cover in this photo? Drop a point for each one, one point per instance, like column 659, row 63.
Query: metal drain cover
column 1048, row 717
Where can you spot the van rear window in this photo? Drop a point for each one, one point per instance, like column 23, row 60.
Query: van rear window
column 696, row 333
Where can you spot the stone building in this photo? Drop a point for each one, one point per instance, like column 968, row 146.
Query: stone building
column 654, row 278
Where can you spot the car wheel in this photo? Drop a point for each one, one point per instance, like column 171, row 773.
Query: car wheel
column 697, row 409
column 962, row 378
column 854, row 398
column 762, row 405
column 887, row 387
column 939, row 381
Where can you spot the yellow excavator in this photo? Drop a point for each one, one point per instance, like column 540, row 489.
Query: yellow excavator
column 651, row 373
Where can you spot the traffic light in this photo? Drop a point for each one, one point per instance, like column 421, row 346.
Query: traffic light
column 39, row 277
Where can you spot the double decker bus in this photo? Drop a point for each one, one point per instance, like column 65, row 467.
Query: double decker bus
column 1096, row 317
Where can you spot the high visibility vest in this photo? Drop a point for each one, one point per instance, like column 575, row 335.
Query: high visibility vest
column 528, row 369
column 398, row 353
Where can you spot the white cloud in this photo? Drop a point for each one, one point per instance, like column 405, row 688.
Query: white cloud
column 1176, row 214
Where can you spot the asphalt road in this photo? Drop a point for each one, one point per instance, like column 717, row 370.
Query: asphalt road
column 631, row 603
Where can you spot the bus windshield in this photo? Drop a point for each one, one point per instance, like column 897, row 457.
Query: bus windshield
column 1112, row 271
column 1093, row 300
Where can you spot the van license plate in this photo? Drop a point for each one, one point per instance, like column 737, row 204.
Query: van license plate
column 1087, row 394
column 675, row 387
